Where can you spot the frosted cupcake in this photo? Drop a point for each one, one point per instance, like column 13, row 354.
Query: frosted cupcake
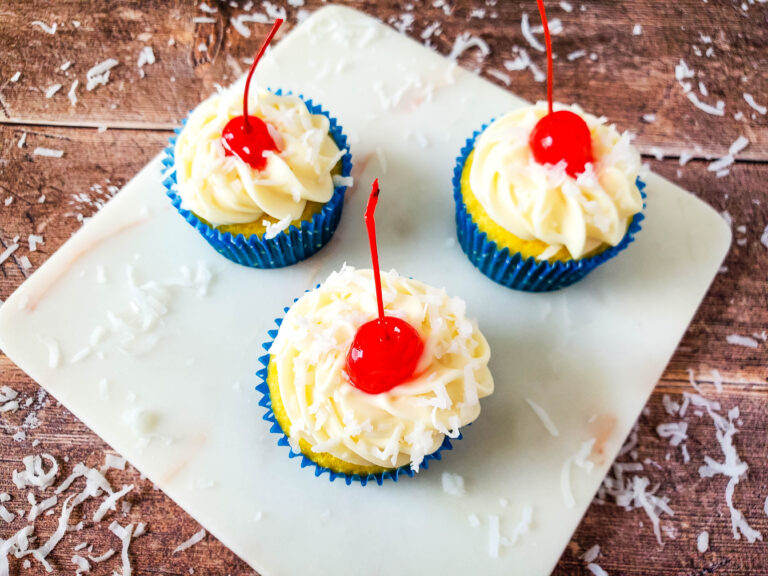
column 371, row 375
column 354, row 433
column 264, row 192
column 537, row 226
column 546, row 194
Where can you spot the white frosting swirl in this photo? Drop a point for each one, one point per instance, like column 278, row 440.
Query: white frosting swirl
column 225, row 190
column 392, row 428
column 542, row 202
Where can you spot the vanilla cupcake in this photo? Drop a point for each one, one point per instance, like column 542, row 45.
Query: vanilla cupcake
column 537, row 226
column 269, row 216
column 358, row 435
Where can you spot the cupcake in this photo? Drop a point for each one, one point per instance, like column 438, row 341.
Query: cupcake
column 344, row 427
column 540, row 226
column 546, row 194
column 260, row 175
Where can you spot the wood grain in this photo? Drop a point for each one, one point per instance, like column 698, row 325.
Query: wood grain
column 640, row 70
column 632, row 76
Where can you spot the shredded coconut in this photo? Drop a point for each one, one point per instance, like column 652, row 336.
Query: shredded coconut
column 754, row 105
column 99, row 74
column 453, row 484
column 48, row 152
column 464, row 42
column 738, row 340
column 525, row 26
column 197, row 537
column 702, row 542
column 52, row 90
column 591, row 554
column 45, row 27
column 34, row 474
column 596, row 570
column 494, row 536
column 544, row 417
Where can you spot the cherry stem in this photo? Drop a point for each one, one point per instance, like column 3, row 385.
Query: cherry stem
column 548, row 42
column 370, row 224
column 275, row 26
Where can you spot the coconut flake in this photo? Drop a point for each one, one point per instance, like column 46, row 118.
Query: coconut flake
column 238, row 23
column 52, row 90
column 721, row 163
column 739, row 340
column 494, row 536
column 99, row 74
column 464, row 42
column 717, row 110
column 347, row 181
column 45, row 27
column 124, row 534
column 523, row 526
column 499, row 75
column 591, row 554
column 738, row 145
column 34, row 474
column 579, row 459
column 748, row 98
column 106, row 556
column 113, row 461
column 543, row 417
column 17, row 544
column 15, row 77
column 197, row 537
column 41, row 507
column 146, row 56
column 40, row 554
column 525, row 26
column 702, row 542
column 82, row 564
column 109, row 503
column 675, row 431
column 637, row 30
column 596, row 570
column 48, row 152
column 453, row 484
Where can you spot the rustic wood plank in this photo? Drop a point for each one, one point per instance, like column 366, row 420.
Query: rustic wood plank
column 626, row 539
column 630, row 76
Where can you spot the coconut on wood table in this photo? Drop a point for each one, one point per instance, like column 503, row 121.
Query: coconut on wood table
column 79, row 122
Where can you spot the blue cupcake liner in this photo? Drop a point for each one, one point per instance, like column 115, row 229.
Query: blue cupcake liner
column 511, row 269
column 289, row 246
column 275, row 428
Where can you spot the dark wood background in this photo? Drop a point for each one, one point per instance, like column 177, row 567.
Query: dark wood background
column 628, row 77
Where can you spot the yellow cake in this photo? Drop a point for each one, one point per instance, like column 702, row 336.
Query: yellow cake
column 540, row 210
column 347, row 430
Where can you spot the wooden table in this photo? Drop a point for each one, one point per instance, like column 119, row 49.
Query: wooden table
column 615, row 59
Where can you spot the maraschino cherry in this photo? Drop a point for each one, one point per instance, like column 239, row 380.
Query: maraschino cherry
column 562, row 135
column 385, row 351
column 248, row 137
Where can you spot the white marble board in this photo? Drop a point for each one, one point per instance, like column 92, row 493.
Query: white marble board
column 178, row 399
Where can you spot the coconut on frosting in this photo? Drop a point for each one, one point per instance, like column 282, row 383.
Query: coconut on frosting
column 393, row 428
column 542, row 202
column 225, row 190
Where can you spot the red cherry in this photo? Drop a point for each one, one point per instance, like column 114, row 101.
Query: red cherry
column 385, row 351
column 247, row 137
column 248, row 141
column 383, row 354
column 559, row 136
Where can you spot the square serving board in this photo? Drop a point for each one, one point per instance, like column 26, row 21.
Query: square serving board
column 123, row 326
